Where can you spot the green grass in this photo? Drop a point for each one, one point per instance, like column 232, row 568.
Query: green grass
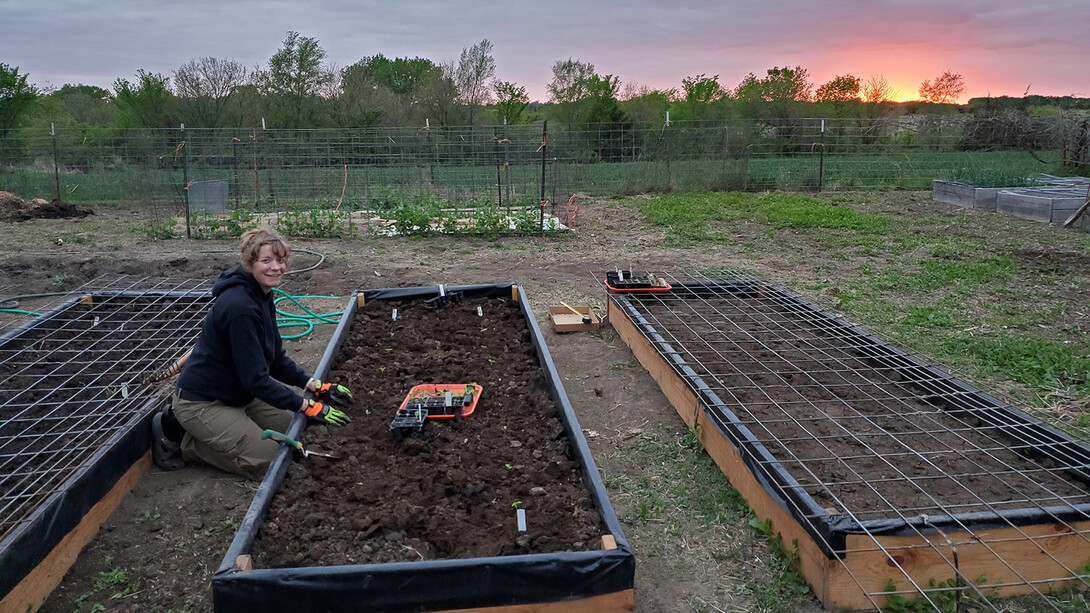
column 652, row 497
column 1032, row 361
column 693, row 218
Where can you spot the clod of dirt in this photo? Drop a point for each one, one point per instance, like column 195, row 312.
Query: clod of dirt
column 14, row 208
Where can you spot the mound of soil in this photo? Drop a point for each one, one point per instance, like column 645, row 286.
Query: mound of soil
column 14, row 208
column 453, row 491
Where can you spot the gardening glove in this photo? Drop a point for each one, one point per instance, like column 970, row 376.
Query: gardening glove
column 331, row 393
column 324, row 412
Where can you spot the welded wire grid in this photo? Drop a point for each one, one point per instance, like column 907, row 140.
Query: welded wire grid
column 865, row 432
column 73, row 378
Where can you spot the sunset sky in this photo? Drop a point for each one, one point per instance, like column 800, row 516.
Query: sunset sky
column 1000, row 47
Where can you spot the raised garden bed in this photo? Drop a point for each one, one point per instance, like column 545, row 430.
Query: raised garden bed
column 889, row 475
column 431, row 523
column 964, row 194
column 1044, row 204
column 74, row 420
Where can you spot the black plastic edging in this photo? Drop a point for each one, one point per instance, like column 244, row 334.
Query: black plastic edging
column 435, row 585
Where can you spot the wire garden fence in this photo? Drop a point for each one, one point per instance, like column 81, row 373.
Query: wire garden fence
column 511, row 179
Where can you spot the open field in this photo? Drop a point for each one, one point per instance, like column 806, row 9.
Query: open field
column 1004, row 302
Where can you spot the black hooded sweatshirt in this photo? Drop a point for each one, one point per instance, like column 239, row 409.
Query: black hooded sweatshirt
column 239, row 352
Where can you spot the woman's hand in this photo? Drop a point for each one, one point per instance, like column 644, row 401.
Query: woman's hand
column 324, row 412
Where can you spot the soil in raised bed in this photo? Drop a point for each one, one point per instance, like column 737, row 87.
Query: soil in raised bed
column 856, row 437
column 452, row 492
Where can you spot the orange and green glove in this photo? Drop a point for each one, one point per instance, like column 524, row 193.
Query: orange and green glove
column 327, row 413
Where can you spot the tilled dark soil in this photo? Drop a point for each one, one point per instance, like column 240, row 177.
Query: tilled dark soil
column 453, row 491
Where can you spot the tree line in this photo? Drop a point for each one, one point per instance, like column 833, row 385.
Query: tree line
column 297, row 88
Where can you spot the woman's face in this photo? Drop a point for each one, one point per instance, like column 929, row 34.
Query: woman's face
column 268, row 268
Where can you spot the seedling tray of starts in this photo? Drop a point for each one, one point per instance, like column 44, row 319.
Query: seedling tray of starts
column 625, row 281
column 433, row 401
column 443, row 401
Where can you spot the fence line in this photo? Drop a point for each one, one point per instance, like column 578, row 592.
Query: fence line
column 508, row 166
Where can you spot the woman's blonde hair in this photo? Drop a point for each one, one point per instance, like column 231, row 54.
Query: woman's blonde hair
column 254, row 240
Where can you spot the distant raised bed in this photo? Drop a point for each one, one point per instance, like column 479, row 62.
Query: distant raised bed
column 964, row 194
column 1045, row 204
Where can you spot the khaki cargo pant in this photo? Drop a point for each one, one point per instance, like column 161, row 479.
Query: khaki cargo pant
column 228, row 437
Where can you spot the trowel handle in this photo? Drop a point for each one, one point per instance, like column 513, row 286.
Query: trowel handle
column 281, row 438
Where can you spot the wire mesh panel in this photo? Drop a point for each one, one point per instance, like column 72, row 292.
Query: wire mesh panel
column 74, row 377
column 873, row 452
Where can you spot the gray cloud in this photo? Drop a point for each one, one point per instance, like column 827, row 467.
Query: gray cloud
column 999, row 46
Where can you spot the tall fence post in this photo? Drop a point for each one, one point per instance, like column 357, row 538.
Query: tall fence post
column 544, row 141
column 821, row 158
column 257, row 177
column 56, row 165
column 185, row 181
column 433, row 152
column 268, row 168
column 234, row 168
column 499, row 180
column 666, row 152
column 507, row 162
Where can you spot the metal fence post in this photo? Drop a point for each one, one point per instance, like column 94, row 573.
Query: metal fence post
column 234, row 168
column 544, row 141
column 185, row 181
column 56, row 165
column 499, row 180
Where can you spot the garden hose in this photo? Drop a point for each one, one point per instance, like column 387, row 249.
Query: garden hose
column 20, row 312
column 10, row 305
column 15, row 299
column 308, row 321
